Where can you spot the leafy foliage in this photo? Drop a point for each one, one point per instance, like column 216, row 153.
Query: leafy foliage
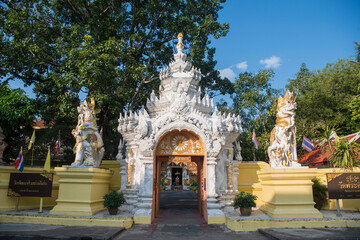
column 255, row 102
column 243, row 199
column 324, row 98
column 109, row 50
column 16, row 109
column 346, row 155
column 114, row 199
column 319, row 193
column 17, row 113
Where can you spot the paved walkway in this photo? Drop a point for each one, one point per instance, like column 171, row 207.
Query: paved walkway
column 178, row 219
column 14, row 231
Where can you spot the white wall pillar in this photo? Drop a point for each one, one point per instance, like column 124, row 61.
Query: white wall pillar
column 215, row 215
column 143, row 212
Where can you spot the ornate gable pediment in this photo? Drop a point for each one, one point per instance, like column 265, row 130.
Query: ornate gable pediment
column 180, row 143
column 179, row 106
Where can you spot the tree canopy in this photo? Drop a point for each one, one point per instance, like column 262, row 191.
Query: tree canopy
column 17, row 113
column 327, row 98
column 16, row 110
column 109, row 50
column 255, row 102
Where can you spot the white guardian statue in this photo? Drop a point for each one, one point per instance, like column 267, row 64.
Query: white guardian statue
column 282, row 150
column 89, row 144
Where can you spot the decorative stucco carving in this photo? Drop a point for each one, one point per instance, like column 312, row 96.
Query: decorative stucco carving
column 282, row 150
column 181, row 106
column 180, row 143
column 89, row 143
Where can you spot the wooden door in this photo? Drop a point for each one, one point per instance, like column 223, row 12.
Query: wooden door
column 157, row 188
column 157, row 182
column 200, row 183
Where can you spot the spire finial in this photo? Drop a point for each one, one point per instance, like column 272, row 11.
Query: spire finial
column 180, row 45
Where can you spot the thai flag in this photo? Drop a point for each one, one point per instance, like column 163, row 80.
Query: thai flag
column 255, row 141
column 19, row 162
column 57, row 147
column 307, row 144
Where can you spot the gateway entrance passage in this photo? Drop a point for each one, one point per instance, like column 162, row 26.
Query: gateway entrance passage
column 179, row 186
column 180, row 190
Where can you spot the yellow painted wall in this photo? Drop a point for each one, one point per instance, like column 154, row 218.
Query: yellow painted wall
column 248, row 180
column 9, row 203
column 115, row 180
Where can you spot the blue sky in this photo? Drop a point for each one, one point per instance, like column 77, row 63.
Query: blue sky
column 283, row 34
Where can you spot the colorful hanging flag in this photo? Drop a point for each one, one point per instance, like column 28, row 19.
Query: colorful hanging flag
column 57, row 147
column 254, row 140
column 19, row 162
column 47, row 162
column 32, row 140
column 307, row 144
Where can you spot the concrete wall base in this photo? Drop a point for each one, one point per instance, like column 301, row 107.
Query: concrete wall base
column 81, row 190
column 287, row 192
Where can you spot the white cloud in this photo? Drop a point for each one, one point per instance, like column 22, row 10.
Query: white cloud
column 227, row 72
column 242, row 65
column 271, row 62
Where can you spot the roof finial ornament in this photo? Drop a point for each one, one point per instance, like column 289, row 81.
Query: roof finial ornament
column 180, row 45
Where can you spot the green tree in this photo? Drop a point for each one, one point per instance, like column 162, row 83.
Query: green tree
column 326, row 99
column 16, row 110
column 110, row 50
column 300, row 84
column 255, row 102
column 357, row 48
column 346, row 154
column 17, row 113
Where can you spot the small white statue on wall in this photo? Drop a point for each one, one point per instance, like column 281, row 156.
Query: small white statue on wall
column 186, row 180
column 89, row 143
column 282, row 150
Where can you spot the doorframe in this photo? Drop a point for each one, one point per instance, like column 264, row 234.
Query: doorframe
column 202, row 195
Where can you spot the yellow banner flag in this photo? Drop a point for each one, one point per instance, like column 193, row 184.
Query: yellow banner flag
column 47, row 162
column 32, row 140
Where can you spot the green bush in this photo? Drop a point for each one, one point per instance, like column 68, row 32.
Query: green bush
column 319, row 193
column 243, row 199
column 114, row 199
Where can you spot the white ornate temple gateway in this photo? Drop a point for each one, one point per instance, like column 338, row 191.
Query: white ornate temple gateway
column 179, row 126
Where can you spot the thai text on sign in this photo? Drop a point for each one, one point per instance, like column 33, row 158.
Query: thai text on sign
column 30, row 185
column 343, row 185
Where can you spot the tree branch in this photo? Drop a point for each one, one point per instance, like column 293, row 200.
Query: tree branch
column 44, row 60
column 76, row 11
column 87, row 7
column 36, row 79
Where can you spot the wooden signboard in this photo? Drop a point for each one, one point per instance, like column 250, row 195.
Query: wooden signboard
column 30, row 185
column 343, row 185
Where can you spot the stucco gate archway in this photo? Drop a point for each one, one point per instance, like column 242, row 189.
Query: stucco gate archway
column 180, row 147
column 180, row 107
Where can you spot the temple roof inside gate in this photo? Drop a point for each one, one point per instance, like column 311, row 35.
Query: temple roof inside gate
column 179, row 82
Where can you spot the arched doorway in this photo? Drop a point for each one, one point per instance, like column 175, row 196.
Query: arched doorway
column 180, row 152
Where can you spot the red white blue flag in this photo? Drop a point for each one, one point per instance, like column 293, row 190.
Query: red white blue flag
column 307, row 144
column 19, row 162
column 57, row 147
column 255, row 141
